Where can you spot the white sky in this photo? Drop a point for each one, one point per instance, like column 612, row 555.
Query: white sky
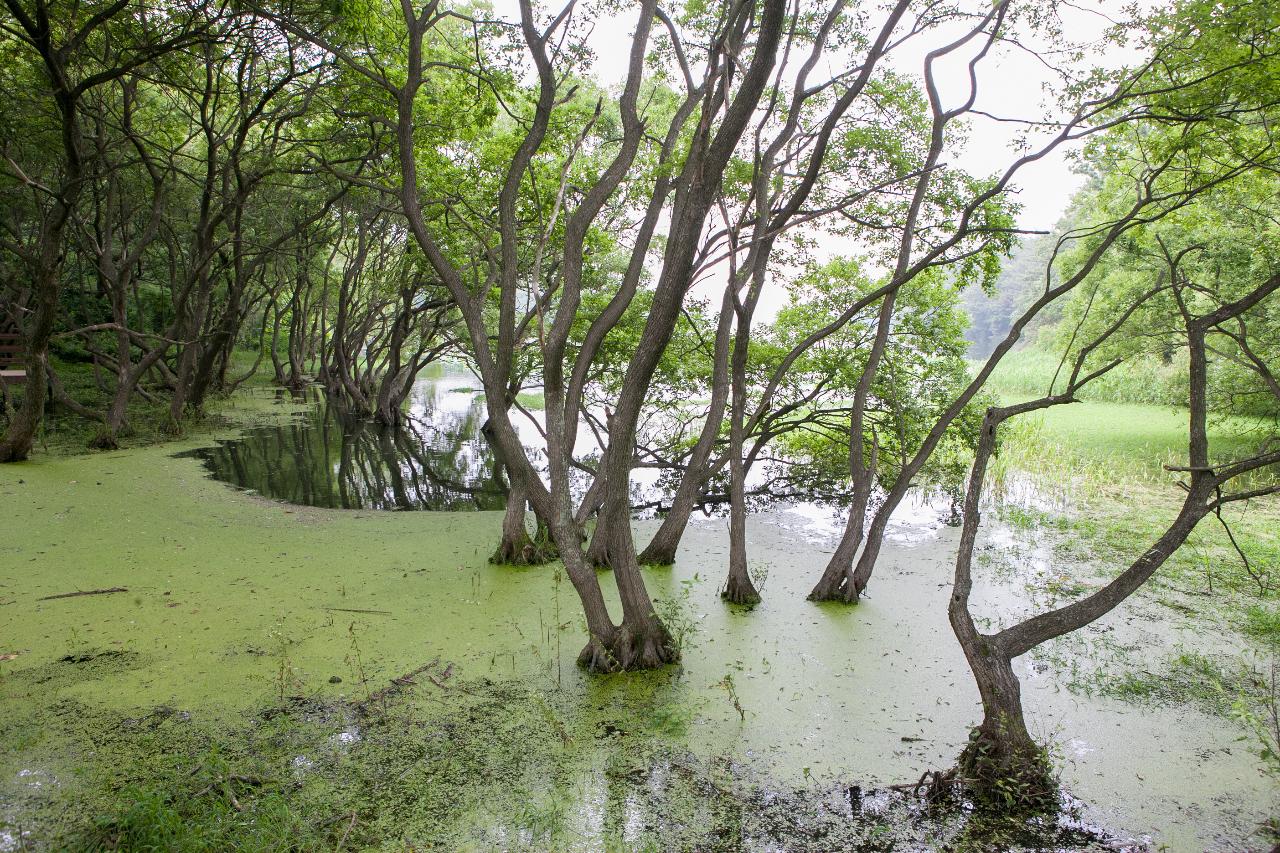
column 1011, row 84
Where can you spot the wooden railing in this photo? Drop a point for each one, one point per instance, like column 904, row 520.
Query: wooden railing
column 12, row 369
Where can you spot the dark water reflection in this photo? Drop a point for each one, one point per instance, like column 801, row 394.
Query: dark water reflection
column 436, row 460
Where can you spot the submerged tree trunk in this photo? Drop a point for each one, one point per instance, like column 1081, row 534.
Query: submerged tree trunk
column 1001, row 755
column 661, row 550
column 838, row 582
column 641, row 641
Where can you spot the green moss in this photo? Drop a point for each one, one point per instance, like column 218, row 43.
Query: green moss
column 480, row 770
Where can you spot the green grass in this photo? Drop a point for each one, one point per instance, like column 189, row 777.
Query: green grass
column 1212, row 684
column 155, row 820
column 1028, row 372
column 1263, row 623
column 63, row 431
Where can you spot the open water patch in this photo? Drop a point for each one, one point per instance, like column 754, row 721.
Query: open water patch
column 437, row 458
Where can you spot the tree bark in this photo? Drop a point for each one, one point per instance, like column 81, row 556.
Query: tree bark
column 837, row 582
column 739, row 588
column 661, row 550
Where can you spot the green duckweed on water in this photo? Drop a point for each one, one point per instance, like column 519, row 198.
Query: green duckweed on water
column 285, row 677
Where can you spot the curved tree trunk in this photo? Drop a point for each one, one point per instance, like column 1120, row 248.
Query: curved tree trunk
column 866, row 564
column 1001, row 755
column 661, row 550
column 837, row 582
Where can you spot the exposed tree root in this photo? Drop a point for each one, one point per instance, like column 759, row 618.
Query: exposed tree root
column 934, row 785
column 525, row 551
column 740, row 590
column 1009, row 772
column 628, row 650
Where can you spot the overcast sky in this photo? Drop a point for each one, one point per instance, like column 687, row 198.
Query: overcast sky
column 1012, row 84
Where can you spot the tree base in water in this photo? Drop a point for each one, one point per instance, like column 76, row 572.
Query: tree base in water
column 1009, row 773
column 104, row 440
column 841, row 589
column 740, row 590
column 629, row 650
column 525, row 552
column 657, row 557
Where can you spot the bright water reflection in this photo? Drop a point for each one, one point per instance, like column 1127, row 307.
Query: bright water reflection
column 437, row 459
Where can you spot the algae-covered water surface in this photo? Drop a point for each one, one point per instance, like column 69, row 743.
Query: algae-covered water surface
column 369, row 678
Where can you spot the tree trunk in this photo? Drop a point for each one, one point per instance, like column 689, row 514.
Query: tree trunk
column 20, row 436
column 738, row 587
column 597, row 553
column 875, row 538
column 661, row 550
column 641, row 641
column 1001, row 762
column 517, row 547
column 837, row 582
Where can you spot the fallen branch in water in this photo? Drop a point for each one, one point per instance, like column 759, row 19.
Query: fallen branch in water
column 79, row 593
column 444, row 676
column 397, row 683
column 933, row 785
column 224, row 783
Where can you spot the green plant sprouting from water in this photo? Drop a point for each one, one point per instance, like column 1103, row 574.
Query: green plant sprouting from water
column 356, row 661
column 677, row 614
column 729, row 687
column 286, row 675
column 1260, row 714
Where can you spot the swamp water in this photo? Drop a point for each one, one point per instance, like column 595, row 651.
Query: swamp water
column 235, row 603
column 437, row 459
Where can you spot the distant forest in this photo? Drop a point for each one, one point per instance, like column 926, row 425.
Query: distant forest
column 1021, row 279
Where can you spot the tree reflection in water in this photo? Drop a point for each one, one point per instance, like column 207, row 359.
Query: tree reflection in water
column 436, row 459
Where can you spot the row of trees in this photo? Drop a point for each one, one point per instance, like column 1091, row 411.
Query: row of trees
column 354, row 192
